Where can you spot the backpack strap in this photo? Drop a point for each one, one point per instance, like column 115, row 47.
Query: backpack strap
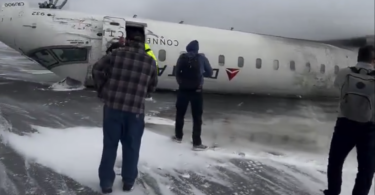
column 354, row 69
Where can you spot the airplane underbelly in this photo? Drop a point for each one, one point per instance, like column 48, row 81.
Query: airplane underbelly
column 277, row 86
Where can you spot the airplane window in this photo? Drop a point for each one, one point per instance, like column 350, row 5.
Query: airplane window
column 322, row 68
column 258, row 64
column 337, row 69
column 308, row 67
column 221, row 60
column 276, row 64
column 162, row 56
column 44, row 58
column 71, row 54
column 241, row 61
column 292, row 66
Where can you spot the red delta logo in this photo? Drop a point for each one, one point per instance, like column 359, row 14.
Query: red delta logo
column 232, row 72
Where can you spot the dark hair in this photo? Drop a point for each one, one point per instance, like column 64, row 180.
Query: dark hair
column 135, row 36
column 366, row 54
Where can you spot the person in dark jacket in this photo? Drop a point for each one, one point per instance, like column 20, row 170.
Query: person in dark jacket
column 116, row 45
column 125, row 76
column 184, row 97
column 355, row 125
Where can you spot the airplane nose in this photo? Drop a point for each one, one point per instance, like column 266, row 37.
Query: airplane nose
column 10, row 16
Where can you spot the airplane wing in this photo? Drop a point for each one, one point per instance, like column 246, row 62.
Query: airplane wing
column 355, row 42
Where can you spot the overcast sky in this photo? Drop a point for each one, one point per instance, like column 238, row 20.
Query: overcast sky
column 307, row 19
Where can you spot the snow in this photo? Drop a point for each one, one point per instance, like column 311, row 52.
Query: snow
column 37, row 72
column 63, row 86
column 76, row 152
column 150, row 99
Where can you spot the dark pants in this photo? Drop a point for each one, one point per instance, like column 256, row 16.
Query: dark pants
column 196, row 100
column 125, row 127
column 346, row 136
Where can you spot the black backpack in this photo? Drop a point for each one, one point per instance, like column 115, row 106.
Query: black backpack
column 189, row 74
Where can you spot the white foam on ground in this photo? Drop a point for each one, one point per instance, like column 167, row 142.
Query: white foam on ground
column 62, row 86
column 76, row 152
column 308, row 161
column 159, row 120
column 150, row 99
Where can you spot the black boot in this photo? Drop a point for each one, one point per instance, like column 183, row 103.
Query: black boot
column 127, row 187
column 107, row 191
column 326, row 192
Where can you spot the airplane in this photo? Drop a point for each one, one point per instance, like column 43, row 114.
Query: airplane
column 69, row 43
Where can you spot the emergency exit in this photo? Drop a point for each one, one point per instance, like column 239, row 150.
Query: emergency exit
column 113, row 29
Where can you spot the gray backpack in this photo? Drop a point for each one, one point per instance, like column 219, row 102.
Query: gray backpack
column 357, row 95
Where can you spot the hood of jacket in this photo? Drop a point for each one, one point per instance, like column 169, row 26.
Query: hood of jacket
column 193, row 47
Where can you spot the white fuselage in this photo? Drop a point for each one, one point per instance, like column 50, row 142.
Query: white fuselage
column 68, row 43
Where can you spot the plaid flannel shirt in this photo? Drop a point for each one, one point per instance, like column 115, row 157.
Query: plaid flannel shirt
column 124, row 77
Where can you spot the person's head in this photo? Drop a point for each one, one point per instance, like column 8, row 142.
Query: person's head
column 139, row 38
column 135, row 38
column 366, row 54
column 193, row 46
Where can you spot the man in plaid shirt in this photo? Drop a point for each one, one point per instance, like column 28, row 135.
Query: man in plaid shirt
column 123, row 78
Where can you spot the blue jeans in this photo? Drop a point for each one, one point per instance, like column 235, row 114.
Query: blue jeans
column 125, row 127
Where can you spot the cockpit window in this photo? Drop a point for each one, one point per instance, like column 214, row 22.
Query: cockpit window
column 71, row 54
column 44, row 58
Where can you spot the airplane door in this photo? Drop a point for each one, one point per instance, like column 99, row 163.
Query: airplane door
column 113, row 29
